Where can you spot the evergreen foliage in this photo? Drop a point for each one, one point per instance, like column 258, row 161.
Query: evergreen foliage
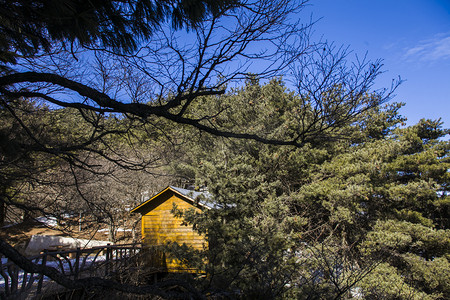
column 27, row 26
column 363, row 215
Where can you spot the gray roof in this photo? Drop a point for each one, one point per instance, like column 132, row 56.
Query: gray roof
column 203, row 198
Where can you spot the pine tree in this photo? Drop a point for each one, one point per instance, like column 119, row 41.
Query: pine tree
column 330, row 217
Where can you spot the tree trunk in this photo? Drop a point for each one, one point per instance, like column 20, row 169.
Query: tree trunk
column 111, row 234
column 3, row 210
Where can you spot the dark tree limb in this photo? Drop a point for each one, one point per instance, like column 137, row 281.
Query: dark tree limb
column 140, row 110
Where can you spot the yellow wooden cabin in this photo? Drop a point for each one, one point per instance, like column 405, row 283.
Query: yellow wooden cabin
column 159, row 226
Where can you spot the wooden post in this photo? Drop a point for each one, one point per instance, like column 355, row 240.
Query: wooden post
column 77, row 262
column 5, row 277
column 108, row 254
column 41, row 279
column 14, row 274
column 24, row 280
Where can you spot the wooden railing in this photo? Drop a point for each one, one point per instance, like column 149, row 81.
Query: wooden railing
column 76, row 263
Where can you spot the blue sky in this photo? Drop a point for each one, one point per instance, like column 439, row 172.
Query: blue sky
column 411, row 36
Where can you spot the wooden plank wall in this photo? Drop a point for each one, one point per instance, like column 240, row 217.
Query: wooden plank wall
column 160, row 226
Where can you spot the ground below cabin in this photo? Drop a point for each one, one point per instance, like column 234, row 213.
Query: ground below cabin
column 18, row 235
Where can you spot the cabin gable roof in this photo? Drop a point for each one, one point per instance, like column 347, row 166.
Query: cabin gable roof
column 193, row 197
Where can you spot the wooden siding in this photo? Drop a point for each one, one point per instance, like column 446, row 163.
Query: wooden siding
column 160, row 226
